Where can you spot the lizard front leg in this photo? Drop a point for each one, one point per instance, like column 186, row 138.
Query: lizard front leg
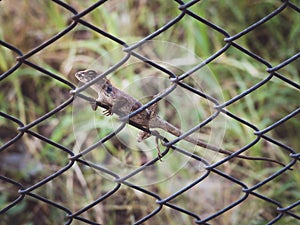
column 111, row 109
column 106, row 112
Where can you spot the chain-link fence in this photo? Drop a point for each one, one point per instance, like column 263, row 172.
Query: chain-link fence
column 54, row 170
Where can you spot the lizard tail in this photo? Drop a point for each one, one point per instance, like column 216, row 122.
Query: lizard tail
column 175, row 131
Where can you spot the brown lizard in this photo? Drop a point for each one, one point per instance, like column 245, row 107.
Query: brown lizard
column 122, row 104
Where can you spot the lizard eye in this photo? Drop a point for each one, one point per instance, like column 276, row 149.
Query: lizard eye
column 91, row 72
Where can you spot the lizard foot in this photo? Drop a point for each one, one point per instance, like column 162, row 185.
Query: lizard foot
column 107, row 112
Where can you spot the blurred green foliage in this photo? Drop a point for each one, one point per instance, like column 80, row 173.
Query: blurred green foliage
column 30, row 94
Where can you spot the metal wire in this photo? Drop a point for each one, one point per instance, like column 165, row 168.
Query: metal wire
column 177, row 81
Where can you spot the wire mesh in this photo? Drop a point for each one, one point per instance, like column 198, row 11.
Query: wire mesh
column 147, row 205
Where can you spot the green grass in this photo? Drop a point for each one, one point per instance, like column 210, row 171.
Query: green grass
column 31, row 94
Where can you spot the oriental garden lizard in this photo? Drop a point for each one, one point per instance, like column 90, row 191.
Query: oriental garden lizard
column 122, row 104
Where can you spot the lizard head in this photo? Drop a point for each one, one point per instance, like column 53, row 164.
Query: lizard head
column 102, row 85
column 86, row 75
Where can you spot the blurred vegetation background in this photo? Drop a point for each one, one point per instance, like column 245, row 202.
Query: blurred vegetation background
column 28, row 94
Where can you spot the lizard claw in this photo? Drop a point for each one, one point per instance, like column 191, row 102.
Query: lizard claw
column 94, row 105
column 107, row 112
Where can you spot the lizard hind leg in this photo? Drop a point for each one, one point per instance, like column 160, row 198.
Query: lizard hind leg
column 144, row 135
